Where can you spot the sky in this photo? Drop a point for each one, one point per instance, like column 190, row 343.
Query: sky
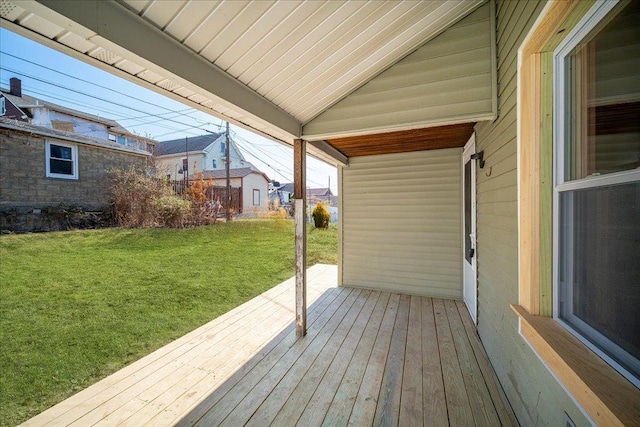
column 55, row 77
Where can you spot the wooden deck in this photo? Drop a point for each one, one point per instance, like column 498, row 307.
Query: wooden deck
column 369, row 358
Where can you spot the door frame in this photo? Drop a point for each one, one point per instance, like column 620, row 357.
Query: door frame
column 470, row 271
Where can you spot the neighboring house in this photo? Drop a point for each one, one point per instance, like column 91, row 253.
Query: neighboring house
column 184, row 157
column 49, row 159
column 253, row 182
column 486, row 151
column 22, row 107
column 283, row 193
column 316, row 195
column 187, row 158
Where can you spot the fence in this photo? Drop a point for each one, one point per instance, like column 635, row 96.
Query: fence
column 214, row 194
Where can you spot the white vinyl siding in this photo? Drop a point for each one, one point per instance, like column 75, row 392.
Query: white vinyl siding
column 448, row 79
column 402, row 223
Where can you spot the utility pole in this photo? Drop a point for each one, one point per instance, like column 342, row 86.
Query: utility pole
column 227, row 161
column 186, row 152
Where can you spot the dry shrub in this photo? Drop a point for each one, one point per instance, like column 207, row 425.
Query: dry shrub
column 171, row 211
column 140, row 200
column 279, row 213
column 134, row 195
column 203, row 211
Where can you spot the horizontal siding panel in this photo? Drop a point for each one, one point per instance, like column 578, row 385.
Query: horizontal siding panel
column 402, row 222
column 448, row 78
column 521, row 374
column 464, row 110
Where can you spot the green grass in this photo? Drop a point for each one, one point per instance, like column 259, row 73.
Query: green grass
column 77, row 306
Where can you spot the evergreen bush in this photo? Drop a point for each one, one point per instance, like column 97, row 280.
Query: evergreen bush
column 321, row 216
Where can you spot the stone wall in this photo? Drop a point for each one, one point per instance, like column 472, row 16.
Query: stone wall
column 29, row 201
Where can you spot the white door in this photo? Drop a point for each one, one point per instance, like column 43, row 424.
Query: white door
column 470, row 287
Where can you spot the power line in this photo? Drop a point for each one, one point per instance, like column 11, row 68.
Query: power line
column 113, row 113
column 98, row 85
column 289, row 169
column 97, row 97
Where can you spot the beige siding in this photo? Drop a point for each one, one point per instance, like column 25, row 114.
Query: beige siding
column 533, row 392
column 449, row 79
column 252, row 182
column 401, row 223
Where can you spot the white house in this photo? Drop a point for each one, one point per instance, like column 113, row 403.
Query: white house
column 253, row 182
column 191, row 155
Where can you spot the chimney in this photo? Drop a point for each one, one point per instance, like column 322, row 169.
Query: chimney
column 15, row 87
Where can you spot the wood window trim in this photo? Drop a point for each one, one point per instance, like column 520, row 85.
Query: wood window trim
column 608, row 397
column 604, row 394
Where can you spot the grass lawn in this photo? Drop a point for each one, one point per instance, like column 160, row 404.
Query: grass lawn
column 77, row 306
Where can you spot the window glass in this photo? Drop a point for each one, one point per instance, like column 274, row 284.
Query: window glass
column 598, row 219
column 61, row 161
column 602, row 95
column 222, row 147
column 60, row 152
column 599, row 230
column 467, row 212
column 256, row 197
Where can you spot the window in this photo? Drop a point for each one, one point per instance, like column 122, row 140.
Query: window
column 223, row 147
column 213, row 164
column 597, row 184
column 3, row 109
column 62, row 160
column 185, row 165
column 256, row 197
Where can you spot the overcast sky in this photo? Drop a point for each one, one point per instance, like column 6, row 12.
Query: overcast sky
column 60, row 79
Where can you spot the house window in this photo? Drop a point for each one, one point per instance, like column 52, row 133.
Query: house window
column 223, row 146
column 213, row 164
column 61, row 160
column 185, row 165
column 3, row 109
column 597, row 185
column 256, row 197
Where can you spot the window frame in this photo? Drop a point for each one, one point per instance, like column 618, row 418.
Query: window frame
column 254, row 197
column 74, row 160
column 602, row 393
column 561, row 184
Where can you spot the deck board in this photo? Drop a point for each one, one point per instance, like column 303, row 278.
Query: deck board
column 369, row 357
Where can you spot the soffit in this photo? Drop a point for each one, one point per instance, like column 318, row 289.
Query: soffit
column 278, row 64
column 432, row 138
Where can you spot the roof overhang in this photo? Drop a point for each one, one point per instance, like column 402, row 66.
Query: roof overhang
column 275, row 68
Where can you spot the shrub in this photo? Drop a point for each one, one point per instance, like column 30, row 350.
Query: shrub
column 140, row 200
column 321, row 216
column 202, row 210
column 134, row 194
column 171, row 211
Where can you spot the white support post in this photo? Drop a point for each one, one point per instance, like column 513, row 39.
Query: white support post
column 300, row 194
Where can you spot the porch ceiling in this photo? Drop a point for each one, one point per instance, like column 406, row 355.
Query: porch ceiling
column 405, row 141
column 270, row 66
